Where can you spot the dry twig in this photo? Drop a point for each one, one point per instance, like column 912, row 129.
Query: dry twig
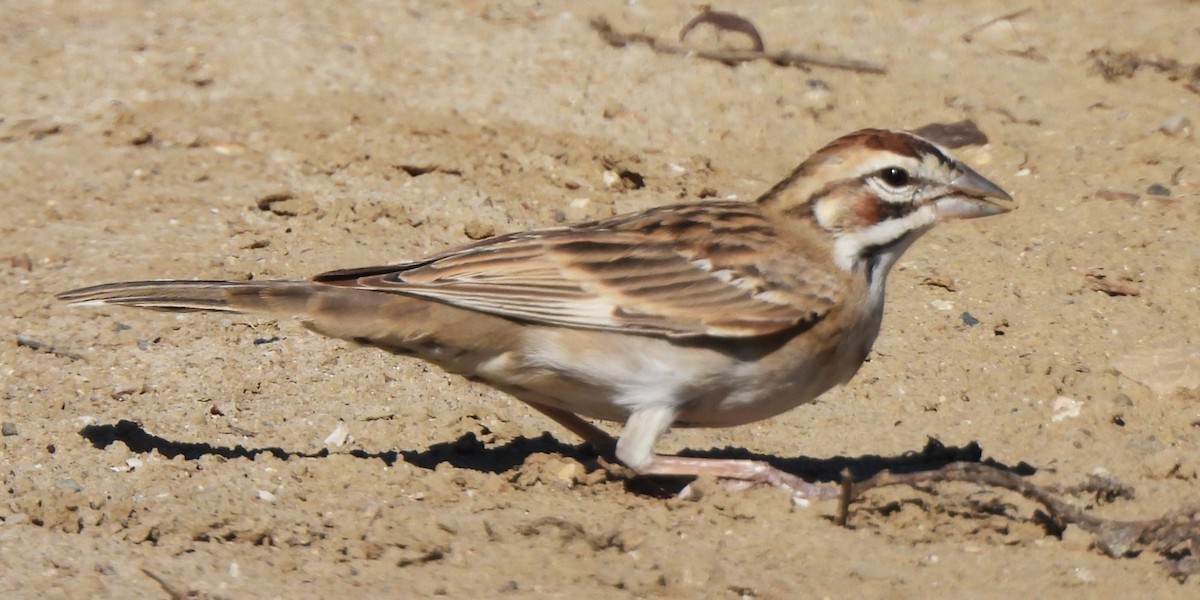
column 39, row 346
column 1099, row 281
column 173, row 592
column 1175, row 536
column 725, row 22
column 784, row 58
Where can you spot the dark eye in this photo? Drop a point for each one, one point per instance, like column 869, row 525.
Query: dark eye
column 894, row 176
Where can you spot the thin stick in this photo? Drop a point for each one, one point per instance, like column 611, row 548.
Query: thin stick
column 39, row 346
column 1115, row 537
column 726, row 22
column 785, row 58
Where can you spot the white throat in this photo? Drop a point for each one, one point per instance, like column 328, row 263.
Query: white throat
column 882, row 244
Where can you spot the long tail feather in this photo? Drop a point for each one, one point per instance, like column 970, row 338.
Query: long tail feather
column 270, row 297
column 391, row 321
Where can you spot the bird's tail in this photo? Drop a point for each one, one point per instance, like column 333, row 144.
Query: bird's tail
column 393, row 322
column 279, row 298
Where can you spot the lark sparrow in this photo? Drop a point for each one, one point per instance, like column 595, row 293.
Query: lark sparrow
column 709, row 315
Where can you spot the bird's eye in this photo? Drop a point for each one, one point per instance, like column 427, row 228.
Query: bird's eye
column 894, row 176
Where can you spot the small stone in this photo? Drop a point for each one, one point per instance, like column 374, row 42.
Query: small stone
column 1176, row 125
column 286, row 204
column 943, row 305
column 1065, row 408
column 614, row 109
column 547, row 469
column 478, row 230
column 953, row 135
column 968, row 319
column 1158, row 189
column 8, row 429
column 339, row 435
column 1116, row 195
column 141, row 138
column 227, row 149
column 266, row 496
column 570, row 472
column 67, row 484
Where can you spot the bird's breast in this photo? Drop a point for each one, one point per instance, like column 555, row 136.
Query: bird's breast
column 712, row 382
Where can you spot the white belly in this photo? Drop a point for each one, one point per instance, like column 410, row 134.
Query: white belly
column 608, row 375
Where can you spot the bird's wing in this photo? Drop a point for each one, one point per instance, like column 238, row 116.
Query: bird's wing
column 680, row 271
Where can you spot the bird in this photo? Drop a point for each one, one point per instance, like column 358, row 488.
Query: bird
column 706, row 314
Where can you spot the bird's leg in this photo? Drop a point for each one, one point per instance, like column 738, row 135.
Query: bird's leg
column 742, row 473
column 649, row 425
column 646, row 425
column 598, row 438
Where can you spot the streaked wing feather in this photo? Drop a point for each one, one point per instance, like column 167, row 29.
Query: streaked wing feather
column 670, row 272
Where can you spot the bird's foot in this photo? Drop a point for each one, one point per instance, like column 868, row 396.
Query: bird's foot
column 741, row 474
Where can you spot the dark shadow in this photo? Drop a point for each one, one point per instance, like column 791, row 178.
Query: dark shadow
column 468, row 452
column 139, row 440
column 934, row 455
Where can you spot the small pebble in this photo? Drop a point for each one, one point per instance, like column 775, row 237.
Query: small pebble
column 1066, row 408
column 1114, row 195
column 1158, row 189
column 8, row 429
column 1176, row 125
column 339, row 435
column 478, row 230
column 953, row 135
column 67, row 484
column 969, row 320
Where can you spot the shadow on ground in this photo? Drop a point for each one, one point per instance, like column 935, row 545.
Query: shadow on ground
column 468, row 452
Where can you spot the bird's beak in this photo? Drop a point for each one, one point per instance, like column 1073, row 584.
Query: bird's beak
column 973, row 196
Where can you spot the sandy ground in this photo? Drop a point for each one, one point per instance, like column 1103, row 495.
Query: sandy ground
column 154, row 455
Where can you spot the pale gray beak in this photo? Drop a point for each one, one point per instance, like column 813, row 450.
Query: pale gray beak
column 974, row 197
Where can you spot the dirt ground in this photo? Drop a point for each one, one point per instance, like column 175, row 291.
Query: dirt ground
column 155, row 455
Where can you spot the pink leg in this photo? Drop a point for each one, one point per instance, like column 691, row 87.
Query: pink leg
column 745, row 472
column 597, row 437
